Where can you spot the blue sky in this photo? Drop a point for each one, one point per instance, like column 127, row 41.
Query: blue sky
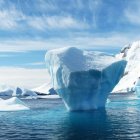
column 28, row 28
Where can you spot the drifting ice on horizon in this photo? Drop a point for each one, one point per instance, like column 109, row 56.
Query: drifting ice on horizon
column 83, row 78
column 6, row 90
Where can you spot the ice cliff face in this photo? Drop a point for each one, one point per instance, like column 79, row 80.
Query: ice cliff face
column 83, row 78
column 130, row 53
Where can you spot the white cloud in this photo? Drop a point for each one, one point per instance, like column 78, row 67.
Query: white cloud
column 13, row 15
column 10, row 17
column 28, row 78
column 13, row 18
column 6, row 20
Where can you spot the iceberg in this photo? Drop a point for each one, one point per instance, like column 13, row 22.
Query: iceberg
column 136, row 88
column 83, row 79
column 12, row 104
column 6, row 90
column 129, row 81
column 27, row 92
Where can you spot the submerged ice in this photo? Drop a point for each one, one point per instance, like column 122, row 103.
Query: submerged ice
column 83, row 78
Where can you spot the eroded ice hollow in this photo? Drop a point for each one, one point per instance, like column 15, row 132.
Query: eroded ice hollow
column 83, row 78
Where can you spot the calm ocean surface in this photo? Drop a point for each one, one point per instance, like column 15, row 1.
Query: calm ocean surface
column 49, row 120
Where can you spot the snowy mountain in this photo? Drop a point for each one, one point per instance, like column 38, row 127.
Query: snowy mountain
column 6, row 90
column 83, row 78
column 130, row 53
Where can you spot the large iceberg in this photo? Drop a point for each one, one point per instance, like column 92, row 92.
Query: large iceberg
column 130, row 53
column 83, row 78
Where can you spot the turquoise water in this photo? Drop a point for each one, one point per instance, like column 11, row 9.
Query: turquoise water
column 49, row 120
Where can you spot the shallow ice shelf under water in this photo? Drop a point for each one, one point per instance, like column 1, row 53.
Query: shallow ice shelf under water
column 48, row 119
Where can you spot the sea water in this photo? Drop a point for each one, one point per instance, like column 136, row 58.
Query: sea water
column 48, row 119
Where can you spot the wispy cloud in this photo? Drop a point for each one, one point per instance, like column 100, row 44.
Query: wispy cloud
column 51, row 15
column 56, row 22
column 7, row 21
column 10, row 18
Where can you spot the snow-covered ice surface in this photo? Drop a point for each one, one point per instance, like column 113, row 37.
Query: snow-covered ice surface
column 83, row 78
column 130, row 53
column 45, row 89
column 12, row 104
column 6, row 90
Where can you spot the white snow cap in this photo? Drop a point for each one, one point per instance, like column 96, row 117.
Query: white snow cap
column 44, row 89
column 79, row 60
column 131, row 53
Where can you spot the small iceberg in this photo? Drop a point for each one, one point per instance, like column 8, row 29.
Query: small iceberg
column 14, row 91
column 12, row 104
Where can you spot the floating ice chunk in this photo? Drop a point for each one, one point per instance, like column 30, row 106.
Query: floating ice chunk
column 6, row 90
column 12, row 104
column 26, row 92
